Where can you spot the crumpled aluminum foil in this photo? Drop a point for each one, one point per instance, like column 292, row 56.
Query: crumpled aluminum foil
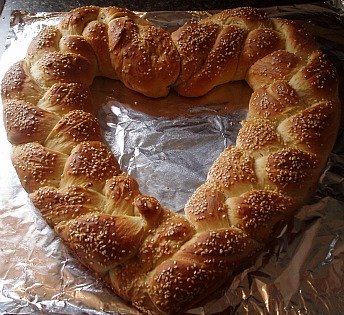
column 168, row 146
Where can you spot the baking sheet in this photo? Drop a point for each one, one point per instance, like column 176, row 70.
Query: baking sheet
column 168, row 146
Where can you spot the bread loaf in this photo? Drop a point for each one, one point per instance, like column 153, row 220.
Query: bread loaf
column 160, row 261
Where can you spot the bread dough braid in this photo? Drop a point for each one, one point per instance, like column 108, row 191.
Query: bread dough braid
column 161, row 261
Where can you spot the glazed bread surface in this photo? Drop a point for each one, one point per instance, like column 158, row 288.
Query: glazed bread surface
column 160, row 261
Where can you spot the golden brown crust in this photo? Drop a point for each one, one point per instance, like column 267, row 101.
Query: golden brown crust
column 163, row 262
column 46, row 41
column 149, row 208
column 258, row 43
column 257, row 212
column 90, row 164
column 220, row 49
column 276, row 101
column 209, row 258
column 102, row 241
column 18, row 84
column 75, row 21
column 233, row 170
column 313, row 129
column 258, row 137
column 59, row 67
column 244, row 17
column 170, row 233
column 206, row 208
column 143, row 56
column 120, row 192
column 194, row 41
column 96, row 34
column 61, row 98
column 77, row 44
column 75, row 127
column 279, row 65
column 317, row 80
column 57, row 205
column 297, row 40
column 27, row 123
column 292, row 170
column 38, row 166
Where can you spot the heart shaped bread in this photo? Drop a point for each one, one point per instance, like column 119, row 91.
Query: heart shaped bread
column 160, row 261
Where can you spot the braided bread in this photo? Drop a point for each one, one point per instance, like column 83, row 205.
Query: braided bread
column 161, row 261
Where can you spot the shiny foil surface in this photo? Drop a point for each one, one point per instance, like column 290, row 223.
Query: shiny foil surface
column 168, row 145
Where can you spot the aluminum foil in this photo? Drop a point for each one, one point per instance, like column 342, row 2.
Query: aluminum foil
column 168, row 146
